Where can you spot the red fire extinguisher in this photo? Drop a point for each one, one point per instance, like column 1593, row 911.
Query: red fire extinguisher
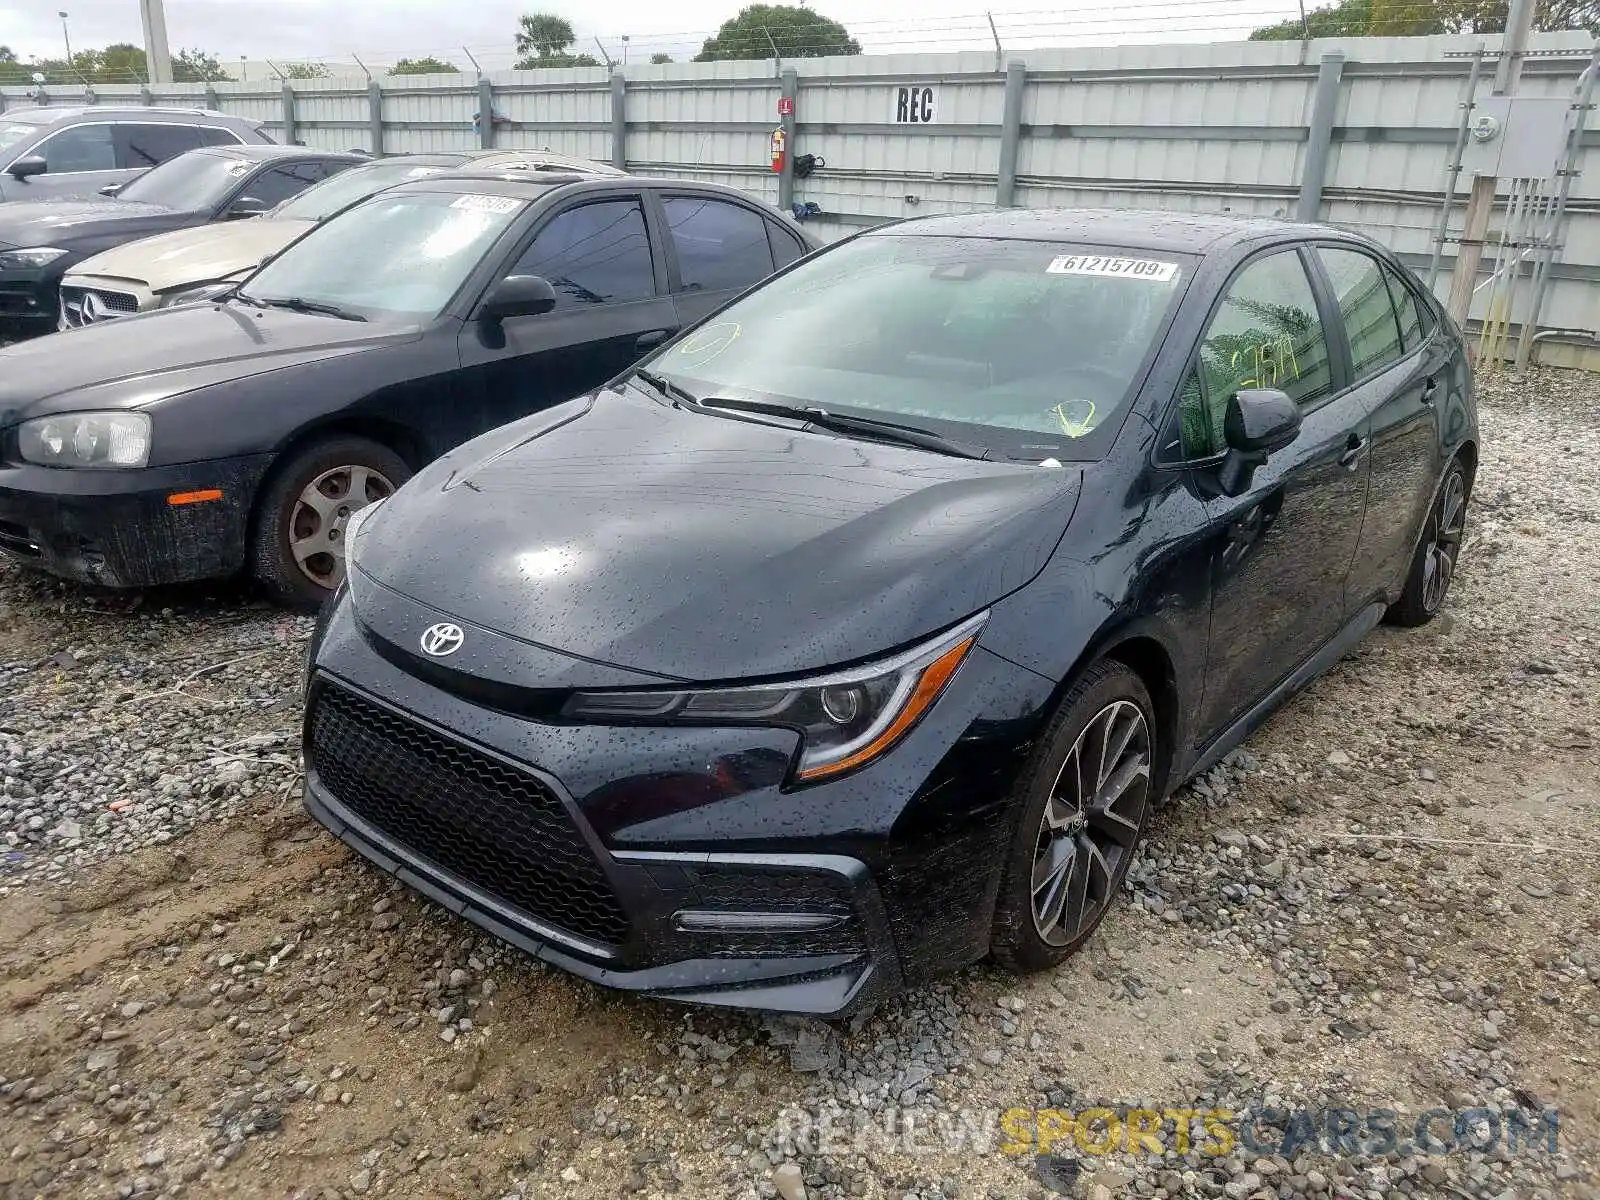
column 779, row 149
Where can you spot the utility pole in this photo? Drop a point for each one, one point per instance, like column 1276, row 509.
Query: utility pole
column 158, row 59
column 1480, row 203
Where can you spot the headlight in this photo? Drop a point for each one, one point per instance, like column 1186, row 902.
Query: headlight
column 103, row 439
column 29, row 260
column 847, row 719
column 195, row 295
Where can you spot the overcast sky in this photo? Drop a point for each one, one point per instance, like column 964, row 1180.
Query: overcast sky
column 385, row 30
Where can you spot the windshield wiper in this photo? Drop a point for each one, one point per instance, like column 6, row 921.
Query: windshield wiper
column 666, row 387
column 307, row 306
column 888, row 431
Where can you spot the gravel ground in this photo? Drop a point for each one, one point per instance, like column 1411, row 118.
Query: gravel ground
column 1389, row 899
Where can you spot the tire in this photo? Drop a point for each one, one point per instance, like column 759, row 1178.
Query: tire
column 295, row 548
column 1090, row 854
column 1438, row 553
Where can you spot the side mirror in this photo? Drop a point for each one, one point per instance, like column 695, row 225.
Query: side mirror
column 1259, row 422
column 28, row 166
column 246, row 206
column 518, row 296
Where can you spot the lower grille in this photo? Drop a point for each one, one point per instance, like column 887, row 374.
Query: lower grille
column 491, row 825
column 84, row 306
column 772, row 892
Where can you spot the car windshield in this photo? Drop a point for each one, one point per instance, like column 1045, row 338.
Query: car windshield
column 191, row 181
column 1027, row 348
column 13, row 132
column 400, row 256
column 344, row 189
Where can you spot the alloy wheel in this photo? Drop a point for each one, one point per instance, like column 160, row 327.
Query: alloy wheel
column 1091, row 822
column 1449, row 524
column 322, row 512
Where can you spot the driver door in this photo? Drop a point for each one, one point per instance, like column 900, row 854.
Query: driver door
column 1281, row 552
column 611, row 308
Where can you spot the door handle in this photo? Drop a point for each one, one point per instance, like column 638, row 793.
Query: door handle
column 1354, row 449
column 654, row 338
column 1429, row 391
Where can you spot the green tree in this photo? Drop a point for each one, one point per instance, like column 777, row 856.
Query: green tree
column 424, row 66
column 543, row 40
column 12, row 69
column 306, row 70
column 196, row 66
column 794, row 32
column 120, row 63
column 658, row 59
column 1346, row 18
column 1410, row 18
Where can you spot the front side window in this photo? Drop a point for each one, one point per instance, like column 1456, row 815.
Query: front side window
column 140, row 147
column 277, row 184
column 1028, row 348
column 1266, row 334
column 593, row 254
column 720, row 246
column 191, row 182
column 396, row 256
column 80, row 148
column 1365, row 308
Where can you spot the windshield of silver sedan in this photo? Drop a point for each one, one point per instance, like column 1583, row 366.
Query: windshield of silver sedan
column 1027, row 347
column 396, row 256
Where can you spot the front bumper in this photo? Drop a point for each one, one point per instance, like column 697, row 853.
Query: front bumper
column 671, row 861
column 118, row 528
column 28, row 302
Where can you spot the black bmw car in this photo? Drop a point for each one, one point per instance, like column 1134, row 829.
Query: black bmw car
column 852, row 636
column 40, row 240
column 241, row 434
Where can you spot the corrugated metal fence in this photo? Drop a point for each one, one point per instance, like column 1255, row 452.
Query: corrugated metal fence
column 1209, row 127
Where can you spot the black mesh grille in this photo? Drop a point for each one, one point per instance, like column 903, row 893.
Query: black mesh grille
column 736, row 890
column 495, row 827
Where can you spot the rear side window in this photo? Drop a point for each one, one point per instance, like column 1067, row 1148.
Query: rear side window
column 1366, row 309
column 785, row 246
column 1266, row 334
column 720, row 245
column 143, row 146
column 79, row 148
column 213, row 135
column 593, row 254
column 1412, row 330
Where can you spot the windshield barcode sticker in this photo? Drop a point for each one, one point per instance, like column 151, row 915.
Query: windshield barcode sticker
column 492, row 204
column 1101, row 264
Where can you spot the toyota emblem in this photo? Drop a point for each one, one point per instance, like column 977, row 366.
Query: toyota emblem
column 441, row 639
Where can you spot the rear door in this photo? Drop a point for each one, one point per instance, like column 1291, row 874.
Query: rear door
column 1281, row 551
column 717, row 247
column 611, row 307
column 1397, row 371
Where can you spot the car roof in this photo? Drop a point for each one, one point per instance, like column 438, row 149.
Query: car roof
column 505, row 159
column 266, row 151
column 1144, row 229
column 47, row 115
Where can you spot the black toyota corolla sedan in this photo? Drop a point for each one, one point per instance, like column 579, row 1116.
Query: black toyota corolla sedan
column 852, row 636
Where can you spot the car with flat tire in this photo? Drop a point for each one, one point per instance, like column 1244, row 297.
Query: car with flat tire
column 852, row 636
column 193, row 264
column 243, row 432
column 72, row 152
column 41, row 241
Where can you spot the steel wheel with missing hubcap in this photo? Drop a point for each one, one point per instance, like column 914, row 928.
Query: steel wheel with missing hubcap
column 1091, row 823
column 1439, row 560
column 321, row 514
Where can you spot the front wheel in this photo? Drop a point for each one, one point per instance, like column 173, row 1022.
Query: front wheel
column 1438, row 554
column 297, row 550
column 1082, row 808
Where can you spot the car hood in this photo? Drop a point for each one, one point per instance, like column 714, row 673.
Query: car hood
column 191, row 256
column 42, row 222
column 703, row 548
column 138, row 360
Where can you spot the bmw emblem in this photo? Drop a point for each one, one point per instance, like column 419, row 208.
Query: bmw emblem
column 441, row 639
